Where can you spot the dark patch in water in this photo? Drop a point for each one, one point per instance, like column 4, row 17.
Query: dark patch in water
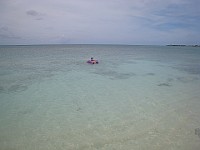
column 170, row 79
column 1, row 89
column 17, row 88
column 187, row 79
column 21, row 82
column 78, row 109
column 150, row 74
column 197, row 132
column 164, row 84
column 4, row 73
column 25, row 112
column 193, row 69
column 116, row 75
column 190, row 68
column 123, row 75
column 131, row 62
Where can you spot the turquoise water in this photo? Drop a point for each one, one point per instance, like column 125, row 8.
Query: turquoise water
column 137, row 97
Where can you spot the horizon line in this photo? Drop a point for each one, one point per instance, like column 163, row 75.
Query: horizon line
column 102, row 44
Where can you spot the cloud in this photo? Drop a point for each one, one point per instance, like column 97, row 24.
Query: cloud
column 32, row 13
column 6, row 33
column 35, row 14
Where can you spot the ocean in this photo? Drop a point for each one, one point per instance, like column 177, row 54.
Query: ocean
column 137, row 97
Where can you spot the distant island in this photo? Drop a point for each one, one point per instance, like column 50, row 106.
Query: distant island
column 184, row 45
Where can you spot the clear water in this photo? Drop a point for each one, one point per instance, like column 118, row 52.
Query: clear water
column 137, row 97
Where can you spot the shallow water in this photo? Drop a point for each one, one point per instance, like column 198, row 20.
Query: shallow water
column 137, row 97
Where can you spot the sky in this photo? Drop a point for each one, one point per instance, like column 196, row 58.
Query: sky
column 134, row 22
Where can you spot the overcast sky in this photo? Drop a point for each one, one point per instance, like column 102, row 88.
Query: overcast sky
column 154, row 22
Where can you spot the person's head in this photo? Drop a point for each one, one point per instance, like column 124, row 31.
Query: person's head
column 91, row 58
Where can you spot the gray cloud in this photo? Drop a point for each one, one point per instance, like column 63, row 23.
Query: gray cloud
column 32, row 13
column 6, row 33
column 37, row 15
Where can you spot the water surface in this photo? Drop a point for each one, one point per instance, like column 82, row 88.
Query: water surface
column 137, row 97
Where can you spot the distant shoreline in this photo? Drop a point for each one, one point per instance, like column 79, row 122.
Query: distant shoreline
column 185, row 45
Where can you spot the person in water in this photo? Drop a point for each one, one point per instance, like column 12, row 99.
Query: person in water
column 93, row 61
